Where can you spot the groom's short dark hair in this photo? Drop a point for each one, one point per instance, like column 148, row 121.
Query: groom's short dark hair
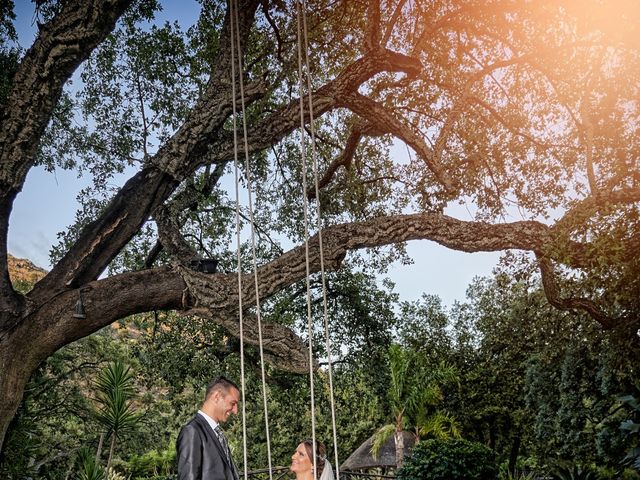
column 220, row 384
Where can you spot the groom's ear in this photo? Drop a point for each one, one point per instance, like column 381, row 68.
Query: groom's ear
column 213, row 396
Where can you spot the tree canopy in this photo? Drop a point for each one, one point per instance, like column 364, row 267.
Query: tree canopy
column 525, row 112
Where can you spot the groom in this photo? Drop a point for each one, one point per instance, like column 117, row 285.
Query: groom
column 203, row 451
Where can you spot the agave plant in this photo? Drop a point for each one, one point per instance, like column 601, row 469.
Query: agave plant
column 89, row 468
column 572, row 472
column 505, row 474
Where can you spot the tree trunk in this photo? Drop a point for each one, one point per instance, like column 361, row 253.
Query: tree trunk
column 399, row 448
column 16, row 366
column 111, row 450
column 513, row 455
column 99, row 450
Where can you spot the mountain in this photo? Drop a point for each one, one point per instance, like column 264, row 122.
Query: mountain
column 24, row 271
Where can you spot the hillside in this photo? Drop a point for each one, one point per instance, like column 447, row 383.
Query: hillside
column 24, row 271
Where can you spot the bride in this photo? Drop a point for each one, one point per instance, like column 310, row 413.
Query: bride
column 303, row 462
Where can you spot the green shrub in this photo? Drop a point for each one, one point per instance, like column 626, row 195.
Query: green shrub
column 89, row 468
column 454, row 459
column 632, row 427
column 153, row 463
column 573, row 472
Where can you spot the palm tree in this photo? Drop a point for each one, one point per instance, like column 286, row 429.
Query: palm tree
column 414, row 391
column 423, row 416
column 115, row 390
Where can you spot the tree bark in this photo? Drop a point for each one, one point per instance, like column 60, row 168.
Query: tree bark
column 99, row 449
column 60, row 47
column 399, row 441
column 14, row 375
column 112, row 450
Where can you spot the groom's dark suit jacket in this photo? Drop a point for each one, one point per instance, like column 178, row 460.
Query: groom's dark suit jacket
column 200, row 455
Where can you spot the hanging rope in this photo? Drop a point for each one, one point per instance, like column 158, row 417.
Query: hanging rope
column 236, row 54
column 305, row 208
column 232, row 9
column 301, row 6
column 325, row 309
column 236, row 39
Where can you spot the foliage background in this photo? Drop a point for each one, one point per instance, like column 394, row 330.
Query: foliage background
column 529, row 375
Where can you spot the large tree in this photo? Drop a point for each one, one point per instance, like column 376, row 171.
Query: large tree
column 517, row 109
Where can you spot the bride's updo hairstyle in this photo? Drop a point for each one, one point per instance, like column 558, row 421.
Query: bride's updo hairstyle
column 319, row 458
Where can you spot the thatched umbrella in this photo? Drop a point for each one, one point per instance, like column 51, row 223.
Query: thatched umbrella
column 362, row 459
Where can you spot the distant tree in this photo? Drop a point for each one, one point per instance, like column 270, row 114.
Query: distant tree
column 414, row 392
column 537, row 382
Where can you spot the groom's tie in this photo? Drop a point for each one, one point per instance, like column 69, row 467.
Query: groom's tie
column 225, row 448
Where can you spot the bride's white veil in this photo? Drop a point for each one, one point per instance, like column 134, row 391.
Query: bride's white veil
column 327, row 471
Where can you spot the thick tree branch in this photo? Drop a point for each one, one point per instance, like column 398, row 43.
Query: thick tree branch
column 552, row 292
column 116, row 297
column 171, row 238
column 372, row 38
column 383, row 119
column 60, row 47
column 392, row 22
column 344, row 159
column 101, row 240
column 168, row 217
column 328, row 97
column 188, row 149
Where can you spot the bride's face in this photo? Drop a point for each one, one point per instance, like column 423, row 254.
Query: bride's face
column 300, row 461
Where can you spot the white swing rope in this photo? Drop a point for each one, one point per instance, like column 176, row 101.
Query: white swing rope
column 238, row 243
column 235, row 28
column 321, row 245
column 235, row 41
column 305, row 208
column 301, row 5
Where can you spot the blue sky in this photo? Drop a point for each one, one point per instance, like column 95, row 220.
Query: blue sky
column 47, row 205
